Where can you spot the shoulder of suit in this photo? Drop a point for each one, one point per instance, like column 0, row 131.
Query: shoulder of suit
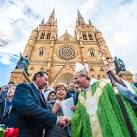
column 22, row 85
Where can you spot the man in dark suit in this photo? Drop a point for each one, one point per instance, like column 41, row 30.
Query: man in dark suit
column 4, row 97
column 30, row 112
column 6, row 105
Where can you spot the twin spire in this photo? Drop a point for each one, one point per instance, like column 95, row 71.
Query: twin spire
column 53, row 14
column 52, row 20
column 80, row 19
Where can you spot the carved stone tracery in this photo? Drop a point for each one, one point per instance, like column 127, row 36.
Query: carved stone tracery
column 66, row 53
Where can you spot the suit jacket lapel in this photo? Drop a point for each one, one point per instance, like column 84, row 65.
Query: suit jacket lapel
column 36, row 91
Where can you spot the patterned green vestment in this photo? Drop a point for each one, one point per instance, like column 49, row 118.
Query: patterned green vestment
column 109, row 115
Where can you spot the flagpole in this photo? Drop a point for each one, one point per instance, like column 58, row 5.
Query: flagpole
column 119, row 99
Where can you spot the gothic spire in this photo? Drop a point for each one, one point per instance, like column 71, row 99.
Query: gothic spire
column 53, row 13
column 90, row 23
column 52, row 19
column 80, row 19
column 79, row 14
column 42, row 22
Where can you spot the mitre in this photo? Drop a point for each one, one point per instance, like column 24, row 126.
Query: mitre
column 81, row 69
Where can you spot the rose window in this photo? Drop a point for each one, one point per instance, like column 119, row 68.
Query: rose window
column 66, row 53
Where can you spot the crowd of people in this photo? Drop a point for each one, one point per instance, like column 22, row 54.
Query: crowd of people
column 35, row 109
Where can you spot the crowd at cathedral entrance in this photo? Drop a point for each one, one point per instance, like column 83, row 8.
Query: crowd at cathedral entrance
column 68, row 87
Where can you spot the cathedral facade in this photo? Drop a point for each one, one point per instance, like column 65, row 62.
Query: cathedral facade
column 58, row 55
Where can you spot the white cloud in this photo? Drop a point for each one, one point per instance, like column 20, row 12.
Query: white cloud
column 4, row 59
column 123, row 30
column 88, row 7
column 16, row 23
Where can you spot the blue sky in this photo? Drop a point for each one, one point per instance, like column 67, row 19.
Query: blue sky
column 116, row 19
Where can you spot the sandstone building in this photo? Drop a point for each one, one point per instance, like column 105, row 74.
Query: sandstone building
column 58, row 55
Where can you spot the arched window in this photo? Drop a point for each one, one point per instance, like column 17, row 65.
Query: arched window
column 90, row 36
column 84, row 36
column 99, row 77
column 48, row 35
column 92, row 52
column 42, row 35
column 41, row 51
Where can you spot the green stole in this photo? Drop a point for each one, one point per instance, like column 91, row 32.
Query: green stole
column 109, row 115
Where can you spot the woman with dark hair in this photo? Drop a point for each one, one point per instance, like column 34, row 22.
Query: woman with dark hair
column 57, row 131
